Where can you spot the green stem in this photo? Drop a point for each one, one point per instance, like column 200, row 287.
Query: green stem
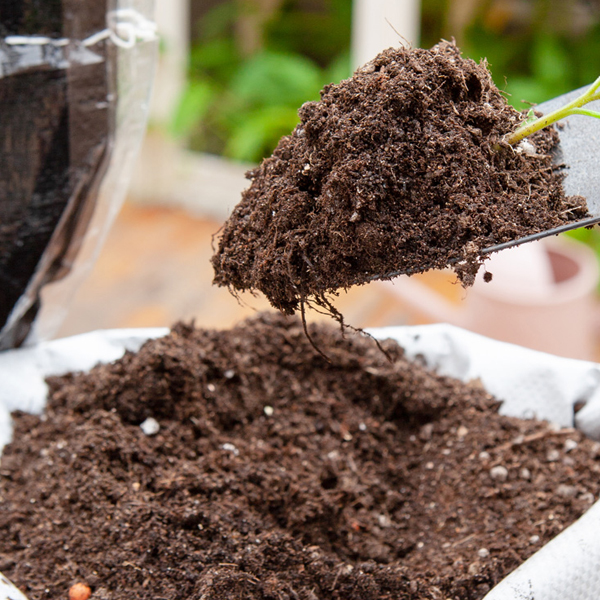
column 572, row 108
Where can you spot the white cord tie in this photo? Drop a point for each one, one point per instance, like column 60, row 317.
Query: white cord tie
column 125, row 27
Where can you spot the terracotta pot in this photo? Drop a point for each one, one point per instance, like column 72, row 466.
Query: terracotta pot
column 542, row 296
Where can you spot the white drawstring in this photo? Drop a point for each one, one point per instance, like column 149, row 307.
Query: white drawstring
column 126, row 27
column 34, row 40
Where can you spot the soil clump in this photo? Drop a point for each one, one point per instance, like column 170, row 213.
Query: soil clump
column 275, row 474
column 393, row 171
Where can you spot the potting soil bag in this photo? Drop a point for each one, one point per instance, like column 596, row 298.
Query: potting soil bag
column 74, row 85
column 530, row 384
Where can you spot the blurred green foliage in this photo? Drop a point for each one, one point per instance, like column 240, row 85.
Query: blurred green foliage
column 589, row 236
column 539, row 67
column 536, row 49
column 238, row 103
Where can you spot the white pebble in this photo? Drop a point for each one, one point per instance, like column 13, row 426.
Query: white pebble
column 527, row 148
column 384, row 521
column 150, row 426
column 499, row 473
column 268, row 410
column 426, row 432
column 230, row 448
column 534, row 539
column 566, row 491
column 483, row 552
column 484, row 455
column 570, row 445
column 462, row 431
column 553, row 455
column 525, row 473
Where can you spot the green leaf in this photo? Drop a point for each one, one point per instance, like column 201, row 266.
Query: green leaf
column 586, row 55
column 259, row 132
column 340, row 68
column 525, row 90
column 550, row 63
column 193, row 107
column 218, row 57
column 272, row 79
column 219, row 20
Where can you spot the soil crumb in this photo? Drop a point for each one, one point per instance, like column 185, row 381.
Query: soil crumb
column 393, row 171
column 240, row 464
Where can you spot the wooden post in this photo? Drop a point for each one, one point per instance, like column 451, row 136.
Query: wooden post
column 172, row 18
column 380, row 24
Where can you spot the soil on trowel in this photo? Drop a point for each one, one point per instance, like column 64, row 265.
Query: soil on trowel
column 393, row 171
column 241, row 464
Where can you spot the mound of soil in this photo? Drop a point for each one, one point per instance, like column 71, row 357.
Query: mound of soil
column 277, row 475
column 393, row 171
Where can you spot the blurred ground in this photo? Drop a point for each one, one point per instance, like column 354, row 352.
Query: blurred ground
column 155, row 269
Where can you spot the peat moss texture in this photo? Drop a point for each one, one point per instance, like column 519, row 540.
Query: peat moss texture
column 393, row 171
column 278, row 475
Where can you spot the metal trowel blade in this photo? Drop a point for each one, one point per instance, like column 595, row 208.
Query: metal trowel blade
column 578, row 152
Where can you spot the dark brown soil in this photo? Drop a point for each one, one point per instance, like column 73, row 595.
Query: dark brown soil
column 277, row 475
column 393, row 171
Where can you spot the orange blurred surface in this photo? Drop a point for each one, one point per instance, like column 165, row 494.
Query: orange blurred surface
column 154, row 270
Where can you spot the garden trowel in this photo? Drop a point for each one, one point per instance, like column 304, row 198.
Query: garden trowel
column 578, row 152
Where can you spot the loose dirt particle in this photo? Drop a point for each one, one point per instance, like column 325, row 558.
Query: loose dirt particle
column 393, row 171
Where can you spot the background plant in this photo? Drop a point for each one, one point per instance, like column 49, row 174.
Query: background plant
column 255, row 62
column 536, row 49
column 250, row 71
